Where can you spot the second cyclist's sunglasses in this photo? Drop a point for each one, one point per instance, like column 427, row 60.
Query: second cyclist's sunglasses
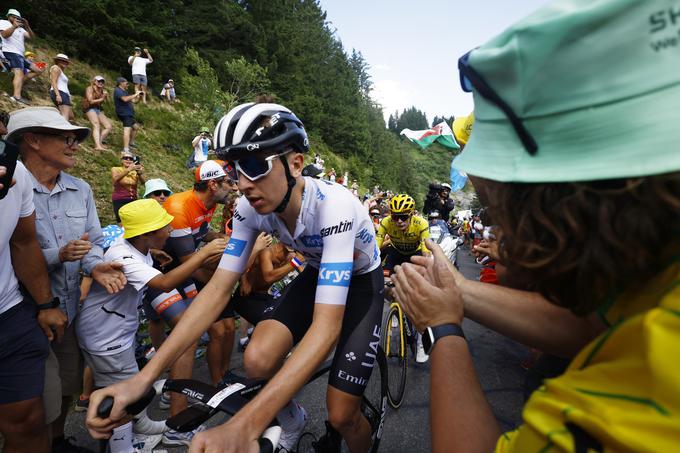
column 252, row 167
column 398, row 217
column 469, row 79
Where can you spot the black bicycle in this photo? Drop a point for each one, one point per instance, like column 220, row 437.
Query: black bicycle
column 229, row 400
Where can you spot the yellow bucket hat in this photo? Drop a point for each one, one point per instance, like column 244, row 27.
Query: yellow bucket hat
column 143, row 216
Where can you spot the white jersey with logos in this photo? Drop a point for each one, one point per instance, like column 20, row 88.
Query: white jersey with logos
column 107, row 323
column 333, row 231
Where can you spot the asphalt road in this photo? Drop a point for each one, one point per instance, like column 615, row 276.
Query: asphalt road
column 497, row 361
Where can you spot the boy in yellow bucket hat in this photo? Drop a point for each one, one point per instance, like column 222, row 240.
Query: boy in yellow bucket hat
column 107, row 323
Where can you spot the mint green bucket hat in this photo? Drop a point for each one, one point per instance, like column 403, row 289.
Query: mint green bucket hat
column 580, row 90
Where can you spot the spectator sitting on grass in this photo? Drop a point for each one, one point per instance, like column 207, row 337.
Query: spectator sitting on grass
column 168, row 91
column 14, row 31
column 59, row 93
column 93, row 101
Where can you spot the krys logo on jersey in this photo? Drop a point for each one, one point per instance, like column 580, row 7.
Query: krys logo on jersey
column 335, row 274
column 235, row 247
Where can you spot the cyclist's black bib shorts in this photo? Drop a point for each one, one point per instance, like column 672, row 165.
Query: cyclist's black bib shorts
column 395, row 258
column 360, row 334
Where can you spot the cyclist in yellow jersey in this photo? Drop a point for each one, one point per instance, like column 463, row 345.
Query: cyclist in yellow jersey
column 407, row 232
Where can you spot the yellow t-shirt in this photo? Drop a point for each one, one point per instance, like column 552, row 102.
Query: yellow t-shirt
column 622, row 391
column 408, row 241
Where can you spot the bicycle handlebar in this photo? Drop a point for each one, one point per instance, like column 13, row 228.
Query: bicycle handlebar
column 229, row 400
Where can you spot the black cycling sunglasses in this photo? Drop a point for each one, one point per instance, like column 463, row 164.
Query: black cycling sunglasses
column 402, row 217
column 158, row 193
column 470, row 78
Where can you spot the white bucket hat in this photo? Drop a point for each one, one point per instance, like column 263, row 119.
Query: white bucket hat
column 36, row 118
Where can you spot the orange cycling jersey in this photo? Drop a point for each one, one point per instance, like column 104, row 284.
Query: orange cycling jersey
column 406, row 242
column 191, row 216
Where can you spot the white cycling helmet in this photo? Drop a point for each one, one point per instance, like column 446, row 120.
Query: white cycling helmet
column 255, row 128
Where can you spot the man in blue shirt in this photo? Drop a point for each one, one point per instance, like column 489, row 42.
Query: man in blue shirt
column 70, row 237
column 126, row 112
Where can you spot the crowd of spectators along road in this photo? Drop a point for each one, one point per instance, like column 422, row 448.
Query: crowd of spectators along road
column 580, row 262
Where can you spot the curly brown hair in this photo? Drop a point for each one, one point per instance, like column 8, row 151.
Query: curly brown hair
column 578, row 243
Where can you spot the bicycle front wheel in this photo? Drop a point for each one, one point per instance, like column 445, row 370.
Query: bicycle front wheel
column 395, row 355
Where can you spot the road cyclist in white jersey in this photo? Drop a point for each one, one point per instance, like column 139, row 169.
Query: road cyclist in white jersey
column 336, row 301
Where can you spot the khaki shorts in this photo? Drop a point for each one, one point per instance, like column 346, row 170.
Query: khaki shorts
column 110, row 369
column 63, row 373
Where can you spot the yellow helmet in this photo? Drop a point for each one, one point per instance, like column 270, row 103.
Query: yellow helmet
column 402, row 204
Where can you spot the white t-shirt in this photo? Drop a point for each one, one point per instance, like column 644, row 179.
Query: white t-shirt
column 201, row 149
column 107, row 322
column 15, row 42
column 139, row 65
column 18, row 203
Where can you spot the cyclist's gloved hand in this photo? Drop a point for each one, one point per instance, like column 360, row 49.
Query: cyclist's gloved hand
column 123, row 393
column 428, row 291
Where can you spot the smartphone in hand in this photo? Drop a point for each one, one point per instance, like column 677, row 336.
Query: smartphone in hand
column 8, row 159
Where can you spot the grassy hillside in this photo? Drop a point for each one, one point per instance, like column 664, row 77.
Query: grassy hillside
column 165, row 140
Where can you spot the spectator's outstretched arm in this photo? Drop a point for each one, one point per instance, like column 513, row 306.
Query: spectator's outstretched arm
column 461, row 418
column 30, row 34
column 524, row 316
column 148, row 55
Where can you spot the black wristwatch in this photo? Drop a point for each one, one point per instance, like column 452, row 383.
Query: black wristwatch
column 432, row 334
column 54, row 303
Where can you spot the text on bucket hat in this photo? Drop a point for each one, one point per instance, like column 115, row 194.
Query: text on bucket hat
column 143, row 216
column 210, row 169
column 153, row 185
column 37, row 118
column 589, row 82
column 13, row 12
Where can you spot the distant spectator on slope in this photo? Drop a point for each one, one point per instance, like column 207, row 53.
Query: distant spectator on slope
column 30, row 59
column 93, row 101
column 126, row 112
column 14, row 32
column 125, row 181
column 202, row 144
column 59, row 92
column 168, row 91
column 138, row 64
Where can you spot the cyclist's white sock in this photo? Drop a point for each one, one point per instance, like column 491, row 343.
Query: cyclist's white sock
column 144, row 425
column 121, row 439
column 289, row 417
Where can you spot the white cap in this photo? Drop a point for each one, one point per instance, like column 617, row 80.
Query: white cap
column 62, row 56
column 13, row 12
column 210, row 169
column 36, row 118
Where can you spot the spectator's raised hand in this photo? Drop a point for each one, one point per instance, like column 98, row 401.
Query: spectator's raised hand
column 212, row 251
column 110, row 275
column 428, row 291
column 487, row 248
column 76, row 249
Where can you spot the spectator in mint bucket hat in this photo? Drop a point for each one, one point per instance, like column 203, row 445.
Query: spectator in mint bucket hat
column 576, row 153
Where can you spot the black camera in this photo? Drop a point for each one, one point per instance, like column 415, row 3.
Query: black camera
column 137, row 160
